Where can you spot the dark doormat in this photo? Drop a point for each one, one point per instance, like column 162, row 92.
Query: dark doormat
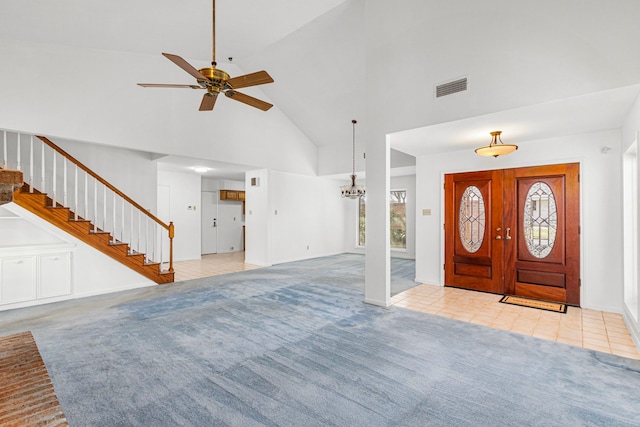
column 532, row 303
column 27, row 397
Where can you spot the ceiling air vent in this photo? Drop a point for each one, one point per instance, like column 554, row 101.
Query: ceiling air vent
column 451, row 87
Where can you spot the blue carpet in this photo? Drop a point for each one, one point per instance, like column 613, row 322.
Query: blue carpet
column 293, row 345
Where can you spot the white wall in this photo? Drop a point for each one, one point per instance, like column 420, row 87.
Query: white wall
column 429, row 42
column 132, row 172
column 92, row 272
column 601, row 207
column 257, row 219
column 184, row 195
column 291, row 217
column 408, row 183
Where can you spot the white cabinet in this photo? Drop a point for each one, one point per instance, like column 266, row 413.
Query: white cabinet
column 28, row 275
column 55, row 275
column 17, row 279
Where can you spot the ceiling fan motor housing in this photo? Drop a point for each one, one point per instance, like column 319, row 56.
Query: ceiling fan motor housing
column 216, row 78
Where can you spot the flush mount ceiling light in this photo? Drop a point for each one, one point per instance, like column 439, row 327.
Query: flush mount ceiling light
column 496, row 147
column 353, row 191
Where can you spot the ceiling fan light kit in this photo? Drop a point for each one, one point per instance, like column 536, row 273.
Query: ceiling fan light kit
column 496, row 147
column 214, row 80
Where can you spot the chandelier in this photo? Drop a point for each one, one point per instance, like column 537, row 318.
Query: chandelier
column 353, row 190
column 496, row 147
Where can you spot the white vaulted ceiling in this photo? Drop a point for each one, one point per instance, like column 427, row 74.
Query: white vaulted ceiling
column 334, row 60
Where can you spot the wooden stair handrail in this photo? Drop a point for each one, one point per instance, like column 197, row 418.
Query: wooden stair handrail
column 169, row 227
column 102, row 180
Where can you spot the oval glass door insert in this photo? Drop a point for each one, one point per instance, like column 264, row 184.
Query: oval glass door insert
column 471, row 220
column 540, row 220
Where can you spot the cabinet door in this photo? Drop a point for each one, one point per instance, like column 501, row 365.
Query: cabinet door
column 18, row 280
column 55, row 275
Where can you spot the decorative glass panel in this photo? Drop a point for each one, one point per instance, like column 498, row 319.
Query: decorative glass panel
column 471, row 221
column 540, row 220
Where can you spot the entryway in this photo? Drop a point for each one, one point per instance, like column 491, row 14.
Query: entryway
column 515, row 232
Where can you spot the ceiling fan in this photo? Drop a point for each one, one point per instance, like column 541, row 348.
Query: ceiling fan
column 216, row 81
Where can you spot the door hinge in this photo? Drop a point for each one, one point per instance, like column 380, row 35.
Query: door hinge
column 444, row 266
column 579, row 283
column 579, row 230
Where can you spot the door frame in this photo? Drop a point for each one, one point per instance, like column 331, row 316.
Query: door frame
column 583, row 214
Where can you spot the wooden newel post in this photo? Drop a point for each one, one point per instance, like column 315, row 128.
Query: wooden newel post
column 171, row 234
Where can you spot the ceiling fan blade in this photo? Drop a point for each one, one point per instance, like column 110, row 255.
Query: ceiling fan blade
column 208, row 101
column 249, row 100
column 253, row 79
column 165, row 85
column 184, row 65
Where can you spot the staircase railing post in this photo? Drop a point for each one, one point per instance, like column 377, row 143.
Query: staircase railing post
column 171, row 234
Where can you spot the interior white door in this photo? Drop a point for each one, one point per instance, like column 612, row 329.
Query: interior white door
column 230, row 226
column 209, row 225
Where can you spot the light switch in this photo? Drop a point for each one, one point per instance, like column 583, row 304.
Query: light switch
column 426, row 211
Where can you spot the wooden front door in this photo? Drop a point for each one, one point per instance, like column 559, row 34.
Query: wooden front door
column 515, row 231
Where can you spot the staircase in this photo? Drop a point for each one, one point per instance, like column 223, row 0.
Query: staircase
column 90, row 208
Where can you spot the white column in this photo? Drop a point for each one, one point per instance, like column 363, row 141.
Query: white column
column 377, row 289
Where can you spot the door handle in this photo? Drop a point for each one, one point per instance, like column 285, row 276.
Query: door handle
column 508, row 236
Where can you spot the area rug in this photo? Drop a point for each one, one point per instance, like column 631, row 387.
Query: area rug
column 532, row 303
column 27, row 397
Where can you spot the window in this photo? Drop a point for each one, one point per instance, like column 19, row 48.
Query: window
column 397, row 219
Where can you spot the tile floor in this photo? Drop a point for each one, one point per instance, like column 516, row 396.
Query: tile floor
column 596, row 330
column 211, row 265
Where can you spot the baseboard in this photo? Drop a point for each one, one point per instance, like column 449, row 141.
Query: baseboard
column 307, row 257
column 632, row 327
column 112, row 290
column 378, row 303
column 72, row 296
column 428, row 281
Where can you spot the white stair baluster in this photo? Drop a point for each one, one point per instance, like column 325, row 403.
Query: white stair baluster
column 146, row 238
column 122, row 226
column 53, row 179
column 131, row 229
column 18, row 153
column 104, row 207
column 75, row 192
column 113, row 232
column 4, row 151
column 139, row 230
column 31, row 164
column 86, row 196
column 160, row 249
column 64, row 182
